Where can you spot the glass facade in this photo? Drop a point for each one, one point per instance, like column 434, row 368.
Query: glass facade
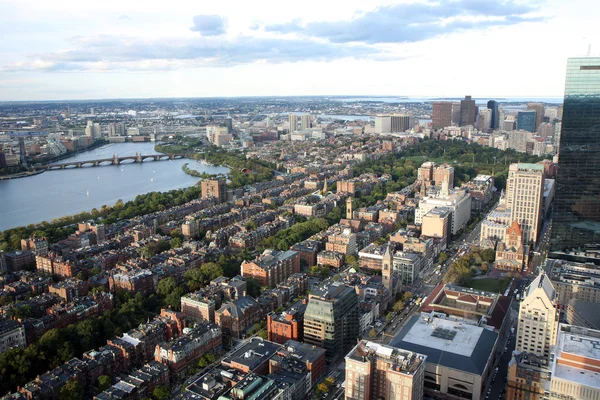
column 526, row 120
column 576, row 216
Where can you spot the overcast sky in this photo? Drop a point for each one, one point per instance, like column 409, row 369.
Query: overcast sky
column 74, row 49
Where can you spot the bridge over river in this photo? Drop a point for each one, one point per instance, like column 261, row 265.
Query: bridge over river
column 115, row 160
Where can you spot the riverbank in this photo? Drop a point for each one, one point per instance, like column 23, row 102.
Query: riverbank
column 21, row 175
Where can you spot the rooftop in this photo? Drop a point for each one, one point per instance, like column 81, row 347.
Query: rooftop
column 402, row 360
column 253, row 353
column 583, row 345
column 448, row 342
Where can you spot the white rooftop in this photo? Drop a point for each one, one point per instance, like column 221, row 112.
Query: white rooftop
column 577, row 375
column 576, row 342
column 463, row 343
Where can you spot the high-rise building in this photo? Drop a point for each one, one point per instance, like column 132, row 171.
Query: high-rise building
column 22, row 151
column 495, row 120
column 399, row 123
column 214, row 188
column 539, row 112
column 538, row 318
column 468, row 111
column 456, row 112
column 375, row 371
column 293, row 122
column 383, row 124
column 332, row 318
column 576, row 215
column 526, row 120
column 306, row 123
column 441, row 115
column 524, row 198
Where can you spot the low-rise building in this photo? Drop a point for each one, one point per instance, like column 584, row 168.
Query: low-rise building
column 574, row 281
column 287, row 325
column 235, row 317
column 197, row 307
column 182, row 352
column 272, row 267
column 330, row 258
column 12, row 335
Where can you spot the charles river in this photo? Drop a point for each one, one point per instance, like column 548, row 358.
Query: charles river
column 54, row 194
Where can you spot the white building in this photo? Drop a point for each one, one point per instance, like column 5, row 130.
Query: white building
column 457, row 201
column 12, row 335
column 383, row 124
column 538, row 318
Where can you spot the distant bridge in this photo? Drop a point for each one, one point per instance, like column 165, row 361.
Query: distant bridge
column 115, row 160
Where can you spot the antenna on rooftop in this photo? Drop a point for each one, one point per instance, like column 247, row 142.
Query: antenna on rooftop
column 589, row 51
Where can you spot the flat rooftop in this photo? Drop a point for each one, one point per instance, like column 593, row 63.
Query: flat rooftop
column 450, row 342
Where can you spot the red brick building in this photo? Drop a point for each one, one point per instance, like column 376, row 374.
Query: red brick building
column 272, row 267
column 287, row 325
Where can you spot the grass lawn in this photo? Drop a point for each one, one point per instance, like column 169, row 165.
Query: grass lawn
column 421, row 159
column 490, row 285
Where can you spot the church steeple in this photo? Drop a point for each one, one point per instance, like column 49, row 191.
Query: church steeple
column 349, row 207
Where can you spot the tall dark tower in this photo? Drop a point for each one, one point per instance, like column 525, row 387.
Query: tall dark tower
column 493, row 105
column 576, row 216
column 22, row 151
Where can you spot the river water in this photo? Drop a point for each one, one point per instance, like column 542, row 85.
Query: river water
column 54, row 194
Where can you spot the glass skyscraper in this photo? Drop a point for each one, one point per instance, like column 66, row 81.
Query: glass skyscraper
column 576, row 216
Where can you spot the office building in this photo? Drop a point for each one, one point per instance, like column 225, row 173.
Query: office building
column 524, row 198
column 576, row 215
column 468, row 111
column 214, row 188
column 406, row 266
column 441, row 115
column 457, row 201
column 293, row 122
column 436, row 224
column 443, row 173
column 575, row 369
column 492, row 105
column 399, row 123
column 383, row 123
column 460, row 354
column 539, row 112
column 481, row 189
column 526, row 120
column 375, row 371
column 574, row 281
column 22, row 151
column 306, row 122
column 538, row 318
column 332, row 318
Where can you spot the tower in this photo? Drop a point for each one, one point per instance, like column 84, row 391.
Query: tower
column 349, row 208
column 386, row 268
column 293, row 120
column 576, row 215
column 325, row 187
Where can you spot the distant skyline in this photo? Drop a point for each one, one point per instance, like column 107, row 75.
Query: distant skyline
column 114, row 49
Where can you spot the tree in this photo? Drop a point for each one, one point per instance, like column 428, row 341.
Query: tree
column 389, row 317
column 488, row 255
column 253, row 287
column 194, row 278
column 398, row 306
column 442, row 257
column 176, row 233
column 104, row 382
column 166, row 286
column 22, row 312
column 206, row 360
column 322, row 388
column 372, row 333
column 161, row 393
column 175, row 243
column 211, row 271
column 72, row 390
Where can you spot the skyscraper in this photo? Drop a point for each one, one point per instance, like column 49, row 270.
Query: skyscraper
column 383, row 124
column 495, row 121
column 538, row 318
column 576, row 217
column 306, row 121
column 332, row 318
column 468, row 111
column 524, row 196
column 539, row 112
column 526, row 120
column 441, row 114
column 399, row 123
column 293, row 121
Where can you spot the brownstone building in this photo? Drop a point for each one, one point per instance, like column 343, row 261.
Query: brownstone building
column 54, row 265
column 272, row 267
column 287, row 325
column 528, row 376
